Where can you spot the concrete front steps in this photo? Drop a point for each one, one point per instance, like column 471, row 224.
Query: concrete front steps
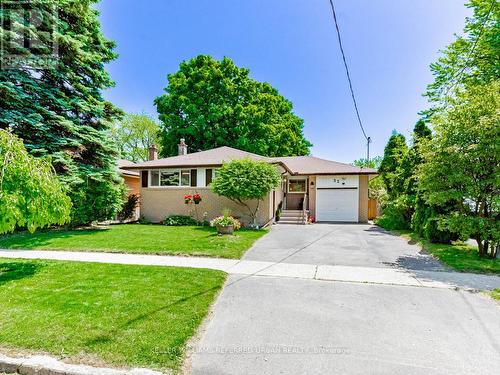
column 293, row 217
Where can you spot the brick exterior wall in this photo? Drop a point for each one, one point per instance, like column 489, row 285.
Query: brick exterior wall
column 157, row 203
column 363, row 199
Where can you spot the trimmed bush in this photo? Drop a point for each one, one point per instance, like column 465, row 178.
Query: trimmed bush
column 179, row 220
column 394, row 217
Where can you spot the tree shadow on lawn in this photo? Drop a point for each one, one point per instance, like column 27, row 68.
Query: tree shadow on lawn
column 10, row 271
column 29, row 241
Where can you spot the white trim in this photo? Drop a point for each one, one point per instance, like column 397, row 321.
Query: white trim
column 200, row 177
column 178, row 170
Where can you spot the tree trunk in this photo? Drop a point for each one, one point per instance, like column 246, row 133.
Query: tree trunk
column 480, row 246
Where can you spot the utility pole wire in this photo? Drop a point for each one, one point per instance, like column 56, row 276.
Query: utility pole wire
column 368, row 140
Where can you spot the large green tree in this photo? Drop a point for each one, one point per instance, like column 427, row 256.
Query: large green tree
column 134, row 134
column 473, row 57
column 214, row 103
column 462, row 164
column 31, row 195
column 58, row 110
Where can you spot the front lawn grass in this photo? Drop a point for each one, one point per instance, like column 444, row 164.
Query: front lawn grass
column 495, row 293
column 138, row 238
column 104, row 314
column 459, row 256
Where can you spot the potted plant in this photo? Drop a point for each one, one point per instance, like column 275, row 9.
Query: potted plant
column 225, row 224
column 188, row 199
column 197, row 198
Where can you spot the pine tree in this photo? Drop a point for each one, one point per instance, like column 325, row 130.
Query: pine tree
column 58, row 110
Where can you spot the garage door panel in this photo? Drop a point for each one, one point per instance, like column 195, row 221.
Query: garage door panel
column 337, row 204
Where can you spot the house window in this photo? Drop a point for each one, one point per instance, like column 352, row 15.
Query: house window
column 155, row 178
column 144, row 179
column 297, row 186
column 185, row 177
column 208, row 176
column 169, row 178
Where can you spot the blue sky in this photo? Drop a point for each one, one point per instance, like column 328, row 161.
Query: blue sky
column 292, row 45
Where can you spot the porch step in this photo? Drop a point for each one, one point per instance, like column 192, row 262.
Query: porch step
column 292, row 217
column 292, row 213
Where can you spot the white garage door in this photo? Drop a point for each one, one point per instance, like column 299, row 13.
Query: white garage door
column 337, row 198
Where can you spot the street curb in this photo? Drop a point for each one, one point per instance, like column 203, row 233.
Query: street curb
column 45, row 365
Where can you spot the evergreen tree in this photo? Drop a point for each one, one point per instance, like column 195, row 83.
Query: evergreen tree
column 214, row 103
column 58, row 109
column 392, row 168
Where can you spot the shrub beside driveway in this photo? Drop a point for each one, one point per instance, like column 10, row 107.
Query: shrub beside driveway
column 138, row 238
column 103, row 314
column 495, row 293
column 459, row 256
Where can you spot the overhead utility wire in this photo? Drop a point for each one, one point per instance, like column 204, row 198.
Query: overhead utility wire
column 368, row 139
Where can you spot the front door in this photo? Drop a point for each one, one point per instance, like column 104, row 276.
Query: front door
column 296, row 193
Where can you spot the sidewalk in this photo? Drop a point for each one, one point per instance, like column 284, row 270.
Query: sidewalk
column 354, row 274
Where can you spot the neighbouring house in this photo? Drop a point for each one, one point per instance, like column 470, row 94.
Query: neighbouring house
column 311, row 187
column 132, row 180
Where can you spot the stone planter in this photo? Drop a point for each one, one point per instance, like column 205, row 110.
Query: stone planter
column 225, row 229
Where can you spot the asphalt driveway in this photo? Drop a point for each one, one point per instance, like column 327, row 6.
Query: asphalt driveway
column 269, row 326
column 283, row 325
column 340, row 244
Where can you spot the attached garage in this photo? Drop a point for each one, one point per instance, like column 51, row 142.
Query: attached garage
column 337, row 198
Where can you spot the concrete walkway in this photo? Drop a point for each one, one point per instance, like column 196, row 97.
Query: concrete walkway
column 356, row 274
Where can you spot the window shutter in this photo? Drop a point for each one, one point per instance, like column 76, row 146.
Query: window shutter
column 194, row 174
column 144, row 179
column 208, row 177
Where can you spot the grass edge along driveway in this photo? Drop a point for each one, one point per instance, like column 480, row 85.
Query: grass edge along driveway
column 104, row 314
column 495, row 293
column 138, row 239
column 458, row 255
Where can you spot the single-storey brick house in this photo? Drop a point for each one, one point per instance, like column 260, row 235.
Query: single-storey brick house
column 326, row 190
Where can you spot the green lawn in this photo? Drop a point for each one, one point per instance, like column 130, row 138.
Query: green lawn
column 137, row 238
column 459, row 256
column 104, row 314
column 495, row 293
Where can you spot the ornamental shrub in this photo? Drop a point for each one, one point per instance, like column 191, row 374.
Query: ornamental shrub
column 244, row 180
column 179, row 220
column 31, row 195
